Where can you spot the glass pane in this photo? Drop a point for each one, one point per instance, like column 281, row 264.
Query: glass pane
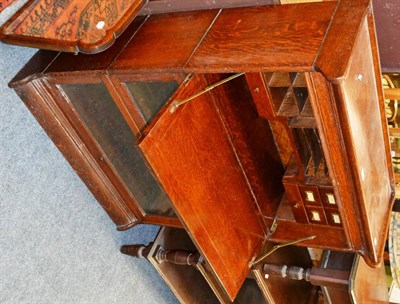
column 102, row 117
column 151, row 96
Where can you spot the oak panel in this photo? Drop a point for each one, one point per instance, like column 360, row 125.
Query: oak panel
column 271, row 39
column 192, row 156
column 366, row 137
column 165, row 41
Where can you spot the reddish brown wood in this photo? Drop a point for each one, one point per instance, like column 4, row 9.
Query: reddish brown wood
column 165, row 42
column 337, row 162
column 72, row 26
column 296, row 202
column 138, row 250
column 364, row 284
column 327, row 237
column 272, row 39
column 191, row 155
column 341, row 37
column 243, row 155
column 81, row 63
column 261, row 97
column 246, row 130
column 366, row 136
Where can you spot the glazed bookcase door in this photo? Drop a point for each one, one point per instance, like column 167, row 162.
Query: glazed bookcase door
column 101, row 120
column 143, row 96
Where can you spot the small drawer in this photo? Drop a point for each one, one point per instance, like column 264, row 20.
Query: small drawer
column 296, row 203
column 310, row 195
column 316, row 215
column 328, row 197
column 333, row 217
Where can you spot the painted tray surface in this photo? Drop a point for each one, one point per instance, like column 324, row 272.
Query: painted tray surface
column 87, row 26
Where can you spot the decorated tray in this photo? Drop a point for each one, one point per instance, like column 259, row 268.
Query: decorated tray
column 87, row 26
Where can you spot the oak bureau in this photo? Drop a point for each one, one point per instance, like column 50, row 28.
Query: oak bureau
column 288, row 142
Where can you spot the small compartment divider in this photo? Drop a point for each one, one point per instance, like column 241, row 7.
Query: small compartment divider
column 289, row 94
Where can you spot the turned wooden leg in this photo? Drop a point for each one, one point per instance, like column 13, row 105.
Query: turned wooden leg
column 177, row 257
column 314, row 275
column 138, row 251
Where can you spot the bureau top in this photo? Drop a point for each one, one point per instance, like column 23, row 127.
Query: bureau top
column 298, row 37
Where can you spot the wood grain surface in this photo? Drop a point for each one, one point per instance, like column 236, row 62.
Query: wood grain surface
column 165, row 42
column 264, row 38
column 341, row 37
column 365, row 138
column 191, row 154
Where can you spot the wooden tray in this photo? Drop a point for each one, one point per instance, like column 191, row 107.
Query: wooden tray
column 87, row 26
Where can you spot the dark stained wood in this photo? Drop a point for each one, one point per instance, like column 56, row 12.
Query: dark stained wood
column 350, row 282
column 165, row 42
column 188, row 283
column 175, row 257
column 329, row 277
column 35, row 68
column 86, row 26
column 271, row 40
column 57, row 126
column 130, row 112
column 94, row 118
column 89, row 161
column 162, row 255
column 169, row 6
column 191, row 155
column 316, row 276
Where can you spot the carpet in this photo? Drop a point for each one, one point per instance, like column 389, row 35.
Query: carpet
column 56, row 243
